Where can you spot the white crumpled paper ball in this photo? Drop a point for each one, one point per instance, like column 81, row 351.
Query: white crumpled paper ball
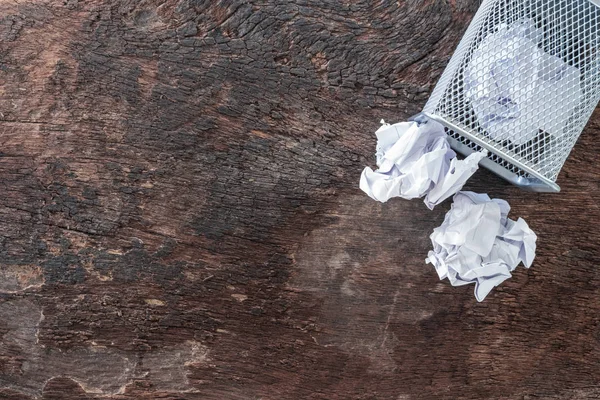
column 415, row 160
column 478, row 243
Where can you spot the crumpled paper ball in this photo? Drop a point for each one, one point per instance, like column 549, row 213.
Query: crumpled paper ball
column 516, row 89
column 478, row 243
column 416, row 160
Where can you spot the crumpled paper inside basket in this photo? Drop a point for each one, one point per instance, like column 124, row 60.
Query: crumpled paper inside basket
column 516, row 89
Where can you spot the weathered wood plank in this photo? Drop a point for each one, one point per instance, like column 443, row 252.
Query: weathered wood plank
column 180, row 215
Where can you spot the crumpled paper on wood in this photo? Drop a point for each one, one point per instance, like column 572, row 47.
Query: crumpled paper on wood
column 478, row 243
column 415, row 160
column 516, row 89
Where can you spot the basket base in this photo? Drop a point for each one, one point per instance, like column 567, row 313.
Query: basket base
column 528, row 183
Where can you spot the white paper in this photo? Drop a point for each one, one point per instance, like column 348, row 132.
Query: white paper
column 454, row 179
column 516, row 88
column 478, row 243
column 415, row 160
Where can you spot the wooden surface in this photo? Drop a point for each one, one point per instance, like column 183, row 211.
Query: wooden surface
column 181, row 219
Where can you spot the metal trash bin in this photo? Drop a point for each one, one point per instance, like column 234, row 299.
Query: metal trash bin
column 522, row 84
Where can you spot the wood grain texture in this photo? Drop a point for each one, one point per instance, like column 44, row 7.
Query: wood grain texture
column 181, row 219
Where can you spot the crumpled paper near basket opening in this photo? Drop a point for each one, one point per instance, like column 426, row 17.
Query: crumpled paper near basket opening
column 416, row 160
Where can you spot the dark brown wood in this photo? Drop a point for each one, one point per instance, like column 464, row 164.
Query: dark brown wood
column 181, row 218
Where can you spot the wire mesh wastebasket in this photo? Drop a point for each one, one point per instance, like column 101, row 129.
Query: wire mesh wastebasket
column 522, row 84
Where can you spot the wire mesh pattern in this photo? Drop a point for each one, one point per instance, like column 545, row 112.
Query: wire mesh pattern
column 523, row 82
column 492, row 156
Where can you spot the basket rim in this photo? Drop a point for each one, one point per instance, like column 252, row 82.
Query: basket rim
column 552, row 184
